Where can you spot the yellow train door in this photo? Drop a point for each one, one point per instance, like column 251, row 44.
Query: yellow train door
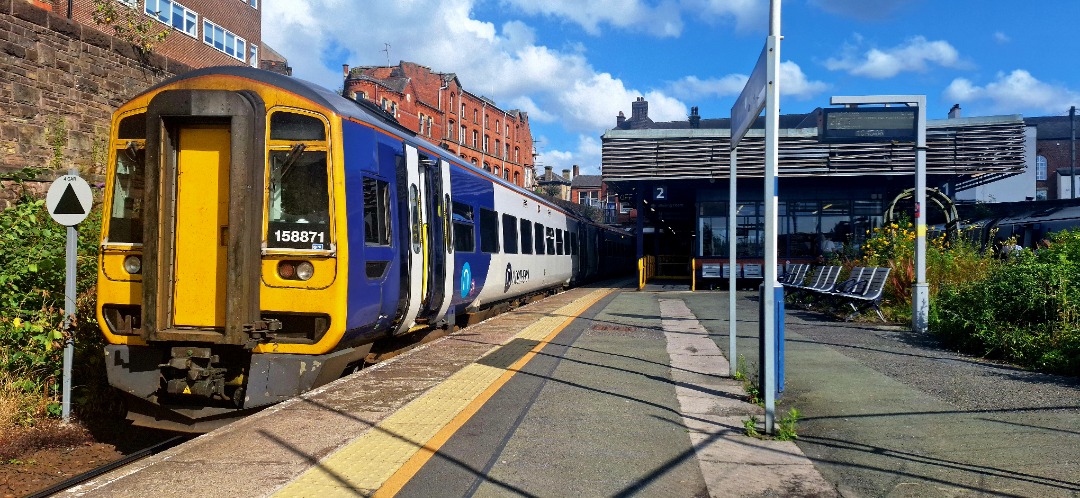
column 202, row 218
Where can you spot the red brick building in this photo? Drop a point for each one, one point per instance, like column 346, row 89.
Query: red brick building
column 1054, row 156
column 435, row 106
column 201, row 32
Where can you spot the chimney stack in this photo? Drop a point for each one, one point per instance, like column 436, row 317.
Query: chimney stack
column 577, row 172
column 639, row 109
column 620, row 121
column 566, row 174
column 547, row 172
column 695, row 119
column 954, row 112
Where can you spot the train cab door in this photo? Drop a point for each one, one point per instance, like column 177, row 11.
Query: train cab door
column 417, row 265
column 201, row 246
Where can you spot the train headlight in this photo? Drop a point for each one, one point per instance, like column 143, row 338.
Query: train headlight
column 133, row 265
column 295, row 270
column 304, row 270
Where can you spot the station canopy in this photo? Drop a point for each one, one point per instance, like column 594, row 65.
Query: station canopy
column 976, row 151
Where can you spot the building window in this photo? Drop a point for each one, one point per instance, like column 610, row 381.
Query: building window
column 461, row 137
column 506, row 153
column 1040, row 194
column 421, row 127
column 498, row 147
column 253, row 3
column 129, row 3
column 223, row 40
column 253, row 55
column 516, row 150
column 506, row 174
column 475, row 116
column 173, row 14
column 451, row 102
column 462, row 110
column 450, row 130
column 430, row 124
column 1040, row 168
column 485, row 143
column 475, row 138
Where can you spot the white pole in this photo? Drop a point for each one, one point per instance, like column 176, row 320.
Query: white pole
column 772, row 136
column 69, row 320
column 921, row 293
column 732, row 185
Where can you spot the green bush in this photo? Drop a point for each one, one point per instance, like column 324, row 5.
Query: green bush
column 1025, row 310
column 32, row 337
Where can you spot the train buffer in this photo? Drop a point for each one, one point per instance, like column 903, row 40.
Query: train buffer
column 597, row 391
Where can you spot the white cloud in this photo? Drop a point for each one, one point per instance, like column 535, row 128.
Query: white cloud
column 586, row 155
column 793, row 83
column 1001, row 38
column 692, row 88
column 748, row 15
column 558, row 87
column 663, row 20
column 1017, row 91
column 915, row 55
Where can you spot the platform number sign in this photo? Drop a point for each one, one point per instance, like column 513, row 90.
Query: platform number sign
column 69, row 200
column 660, row 193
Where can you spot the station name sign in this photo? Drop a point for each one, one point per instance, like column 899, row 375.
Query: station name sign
column 868, row 124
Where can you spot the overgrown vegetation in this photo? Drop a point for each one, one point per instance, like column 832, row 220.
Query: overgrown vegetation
column 1024, row 309
column 128, row 24
column 32, row 335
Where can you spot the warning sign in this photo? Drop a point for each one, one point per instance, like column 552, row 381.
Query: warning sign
column 69, row 200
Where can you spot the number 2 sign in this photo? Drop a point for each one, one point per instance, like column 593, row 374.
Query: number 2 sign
column 660, row 193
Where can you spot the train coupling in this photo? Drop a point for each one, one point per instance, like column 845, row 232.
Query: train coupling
column 261, row 331
column 193, row 371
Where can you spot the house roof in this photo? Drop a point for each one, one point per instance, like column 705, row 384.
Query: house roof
column 586, row 181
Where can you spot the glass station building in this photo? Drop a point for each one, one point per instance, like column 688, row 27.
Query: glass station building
column 830, row 194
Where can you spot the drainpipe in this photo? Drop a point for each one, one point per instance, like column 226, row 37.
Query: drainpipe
column 70, row 2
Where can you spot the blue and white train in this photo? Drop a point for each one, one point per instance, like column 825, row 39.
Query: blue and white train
column 263, row 232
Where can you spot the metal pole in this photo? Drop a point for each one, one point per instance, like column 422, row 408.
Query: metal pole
column 69, row 320
column 1072, row 154
column 732, row 186
column 921, row 293
column 772, row 141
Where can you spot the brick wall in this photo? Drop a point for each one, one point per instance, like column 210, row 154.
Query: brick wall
column 57, row 74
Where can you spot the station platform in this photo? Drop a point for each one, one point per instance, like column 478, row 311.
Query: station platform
column 597, row 391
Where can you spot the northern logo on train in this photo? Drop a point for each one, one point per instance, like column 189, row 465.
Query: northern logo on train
column 509, row 277
column 466, row 280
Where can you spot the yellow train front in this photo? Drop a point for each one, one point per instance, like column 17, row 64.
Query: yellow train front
column 221, row 279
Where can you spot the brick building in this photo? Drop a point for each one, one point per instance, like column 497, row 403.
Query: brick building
column 201, row 32
column 435, row 106
column 1053, row 156
column 590, row 190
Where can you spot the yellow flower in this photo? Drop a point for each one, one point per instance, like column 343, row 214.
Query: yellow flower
column 17, row 322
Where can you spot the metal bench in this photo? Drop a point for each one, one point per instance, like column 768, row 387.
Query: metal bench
column 823, row 280
column 866, row 292
column 795, row 274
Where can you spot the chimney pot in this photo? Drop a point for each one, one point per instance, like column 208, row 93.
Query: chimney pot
column 576, row 171
column 954, row 112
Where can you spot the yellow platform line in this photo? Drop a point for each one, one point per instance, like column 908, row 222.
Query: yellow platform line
column 386, row 457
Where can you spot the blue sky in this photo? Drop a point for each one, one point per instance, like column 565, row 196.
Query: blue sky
column 574, row 64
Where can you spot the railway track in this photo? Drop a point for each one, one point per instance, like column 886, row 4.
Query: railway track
column 90, row 474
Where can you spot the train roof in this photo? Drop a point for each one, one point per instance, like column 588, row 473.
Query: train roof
column 319, row 95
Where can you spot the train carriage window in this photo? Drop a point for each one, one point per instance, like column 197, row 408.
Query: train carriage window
column 293, row 126
column 510, row 234
column 448, row 224
column 558, row 241
column 489, row 231
column 539, row 246
column 464, row 238
column 125, row 216
column 526, row 237
column 298, row 202
column 550, row 238
column 414, row 217
column 376, row 212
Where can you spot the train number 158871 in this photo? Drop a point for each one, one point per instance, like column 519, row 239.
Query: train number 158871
column 301, row 236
